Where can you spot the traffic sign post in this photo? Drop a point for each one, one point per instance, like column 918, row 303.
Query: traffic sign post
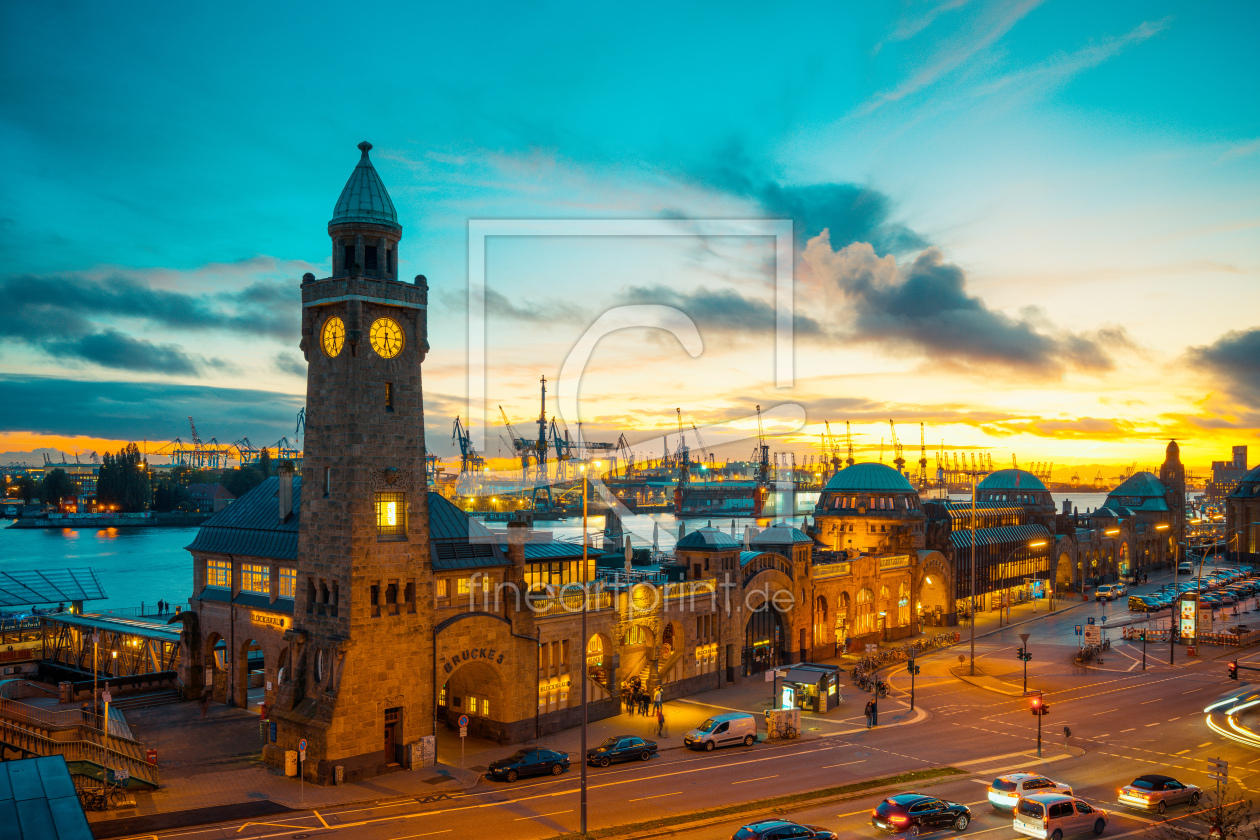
column 302, row 769
column 463, row 733
column 1023, row 654
column 913, row 669
column 1219, row 770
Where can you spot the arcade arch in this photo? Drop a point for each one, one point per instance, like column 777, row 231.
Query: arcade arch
column 765, row 639
column 933, row 600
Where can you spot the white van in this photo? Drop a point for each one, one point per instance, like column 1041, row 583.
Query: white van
column 1053, row 816
column 1185, row 568
column 726, row 730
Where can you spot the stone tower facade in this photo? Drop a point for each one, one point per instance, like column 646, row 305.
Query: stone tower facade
column 1173, row 476
column 360, row 687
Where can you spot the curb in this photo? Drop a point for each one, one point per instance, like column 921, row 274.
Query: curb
column 968, row 679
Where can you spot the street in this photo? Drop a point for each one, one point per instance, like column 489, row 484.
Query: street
column 1124, row 722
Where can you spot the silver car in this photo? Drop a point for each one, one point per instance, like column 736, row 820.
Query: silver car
column 1155, row 793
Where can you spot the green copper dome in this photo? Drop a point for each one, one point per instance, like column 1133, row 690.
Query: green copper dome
column 364, row 199
column 870, row 477
column 1012, row 479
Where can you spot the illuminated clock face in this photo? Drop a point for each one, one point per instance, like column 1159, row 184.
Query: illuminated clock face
column 333, row 336
column 387, row 337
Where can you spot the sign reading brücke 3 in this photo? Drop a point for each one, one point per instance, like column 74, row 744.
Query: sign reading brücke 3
column 473, row 653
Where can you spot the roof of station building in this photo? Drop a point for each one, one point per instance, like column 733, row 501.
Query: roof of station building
column 251, row 526
column 1141, row 491
column 1012, row 479
column 780, row 533
column 28, row 587
column 364, row 198
column 1000, row 536
column 1248, row 485
column 870, row 477
column 709, row 538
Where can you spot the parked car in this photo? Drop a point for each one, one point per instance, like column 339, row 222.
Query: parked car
column 913, row 814
column 1146, row 603
column 783, row 830
column 1005, row 792
column 528, row 762
column 621, row 748
column 1155, row 793
column 1053, row 816
column 725, row 730
column 1185, row 568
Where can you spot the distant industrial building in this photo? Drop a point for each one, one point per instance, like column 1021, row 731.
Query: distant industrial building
column 1226, row 475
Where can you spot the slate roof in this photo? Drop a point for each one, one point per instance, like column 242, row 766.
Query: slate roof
column 251, row 525
column 710, row 539
column 1012, row 479
column 364, row 199
column 27, row 588
column 558, row 549
column 1007, row 535
column 1141, row 485
column 1248, row 485
column 868, row 477
column 38, row 801
column 448, row 522
column 780, row 534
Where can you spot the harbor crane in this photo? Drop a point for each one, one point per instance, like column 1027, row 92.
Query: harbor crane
column 761, row 455
column 923, row 461
column 469, row 460
column 848, row 437
column 897, row 449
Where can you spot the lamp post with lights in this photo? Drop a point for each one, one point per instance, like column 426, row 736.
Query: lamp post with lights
column 585, row 669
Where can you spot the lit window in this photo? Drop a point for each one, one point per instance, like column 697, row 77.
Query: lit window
column 391, row 515
column 254, row 578
column 219, row 573
column 462, row 586
column 288, row 582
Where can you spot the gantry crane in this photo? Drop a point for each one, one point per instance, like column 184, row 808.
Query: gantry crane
column 923, row 476
column 848, row 438
column 896, row 444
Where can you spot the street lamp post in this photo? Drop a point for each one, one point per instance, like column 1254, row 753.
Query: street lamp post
column 585, row 599
column 971, row 604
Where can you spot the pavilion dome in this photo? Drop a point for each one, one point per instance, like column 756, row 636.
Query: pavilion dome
column 707, row 539
column 1013, row 479
column 870, row 477
column 364, row 198
column 780, row 533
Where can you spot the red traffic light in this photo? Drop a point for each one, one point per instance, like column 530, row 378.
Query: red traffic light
column 1233, row 670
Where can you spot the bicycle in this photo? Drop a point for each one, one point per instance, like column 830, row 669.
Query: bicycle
column 787, row 730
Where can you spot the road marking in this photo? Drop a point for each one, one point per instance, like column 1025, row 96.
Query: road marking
column 853, row 813
column 758, row 779
column 658, row 796
column 1204, row 744
column 1156, row 700
column 540, row 816
column 1122, row 731
column 846, row 764
column 1183, row 752
column 1170, row 720
column 425, row 834
column 321, row 819
column 1156, row 723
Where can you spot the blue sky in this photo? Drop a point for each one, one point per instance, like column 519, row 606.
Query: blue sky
column 1075, row 182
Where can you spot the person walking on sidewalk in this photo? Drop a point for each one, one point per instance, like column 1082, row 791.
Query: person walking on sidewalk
column 634, row 701
column 645, row 700
column 875, row 711
column 656, row 700
column 660, row 722
column 870, row 706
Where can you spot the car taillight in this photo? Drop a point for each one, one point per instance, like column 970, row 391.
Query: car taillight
column 901, row 820
column 874, row 813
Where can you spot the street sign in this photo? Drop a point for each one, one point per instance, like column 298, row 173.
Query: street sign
column 1090, row 619
column 463, row 721
column 463, row 732
column 106, row 697
column 1092, row 635
column 122, row 775
column 302, row 745
column 1078, row 629
column 1024, row 638
column 1219, row 769
column 1104, row 619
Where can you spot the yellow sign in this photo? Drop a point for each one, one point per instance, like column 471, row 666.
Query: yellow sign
column 268, row 619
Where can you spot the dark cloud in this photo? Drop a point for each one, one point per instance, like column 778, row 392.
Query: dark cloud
column 723, row 310
column 140, row 410
column 498, row 304
column 59, row 314
column 113, row 349
column 291, row 364
column 924, row 308
column 852, row 212
column 1234, row 359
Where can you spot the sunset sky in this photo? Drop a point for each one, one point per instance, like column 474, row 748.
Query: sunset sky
column 1034, row 227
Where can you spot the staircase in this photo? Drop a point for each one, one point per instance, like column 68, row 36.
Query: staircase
column 148, row 700
column 87, row 757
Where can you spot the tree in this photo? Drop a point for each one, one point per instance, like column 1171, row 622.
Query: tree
column 123, row 480
column 241, row 481
column 264, row 462
column 27, row 489
column 57, row 486
column 1228, row 812
column 170, row 495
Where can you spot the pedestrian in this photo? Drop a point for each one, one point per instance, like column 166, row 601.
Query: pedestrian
column 870, row 704
column 875, row 711
column 645, row 700
column 205, row 704
column 656, row 700
column 660, row 721
column 632, row 700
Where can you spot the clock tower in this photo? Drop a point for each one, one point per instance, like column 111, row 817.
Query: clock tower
column 359, row 688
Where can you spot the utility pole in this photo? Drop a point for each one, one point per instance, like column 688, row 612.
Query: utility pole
column 585, row 672
column 1023, row 654
column 971, row 606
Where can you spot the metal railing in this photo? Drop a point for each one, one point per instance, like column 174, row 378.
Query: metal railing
column 690, row 588
column 25, row 739
column 830, row 570
column 570, row 604
column 52, row 718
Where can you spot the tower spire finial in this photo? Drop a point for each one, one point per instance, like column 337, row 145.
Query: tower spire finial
column 366, row 147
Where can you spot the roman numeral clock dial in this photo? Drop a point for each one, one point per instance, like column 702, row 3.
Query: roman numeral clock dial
column 387, row 337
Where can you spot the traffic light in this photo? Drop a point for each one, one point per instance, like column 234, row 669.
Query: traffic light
column 1233, row 670
column 1037, row 706
column 1022, row 653
column 911, row 668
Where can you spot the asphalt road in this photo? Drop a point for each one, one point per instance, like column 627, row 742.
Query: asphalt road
column 1125, row 721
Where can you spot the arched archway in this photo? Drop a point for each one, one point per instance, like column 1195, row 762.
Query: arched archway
column 933, row 600
column 249, row 683
column 215, row 653
column 475, row 688
column 765, row 639
column 843, row 611
column 283, row 666
column 1125, row 559
column 599, row 665
column 673, row 645
column 1063, row 573
column 823, row 632
column 637, row 646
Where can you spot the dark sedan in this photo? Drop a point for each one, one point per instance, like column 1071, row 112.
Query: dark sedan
column 913, row 814
column 528, row 762
column 783, row 830
column 621, row 748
